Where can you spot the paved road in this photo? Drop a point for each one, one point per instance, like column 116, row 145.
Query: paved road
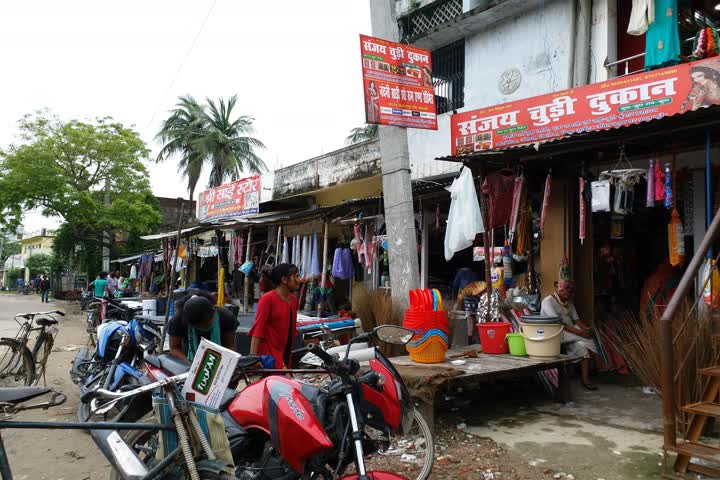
column 52, row 454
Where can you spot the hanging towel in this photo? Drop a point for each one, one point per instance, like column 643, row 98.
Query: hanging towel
column 464, row 219
column 314, row 258
column 285, row 252
column 641, row 16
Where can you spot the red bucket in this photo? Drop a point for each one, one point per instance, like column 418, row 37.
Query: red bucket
column 492, row 336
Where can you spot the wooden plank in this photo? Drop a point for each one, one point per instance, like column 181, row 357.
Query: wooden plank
column 711, row 472
column 697, row 450
column 696, row 426
column 703, row 408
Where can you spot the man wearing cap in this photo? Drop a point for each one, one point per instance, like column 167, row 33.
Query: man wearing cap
column 577, row 337
column 196, row 317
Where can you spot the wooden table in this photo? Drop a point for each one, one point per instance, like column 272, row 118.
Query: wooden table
column 488, row 367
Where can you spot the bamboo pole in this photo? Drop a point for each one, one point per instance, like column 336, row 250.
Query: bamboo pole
column 173, row 273
column 323, row 276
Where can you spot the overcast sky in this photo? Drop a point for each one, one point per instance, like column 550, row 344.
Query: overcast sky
column 295, row 67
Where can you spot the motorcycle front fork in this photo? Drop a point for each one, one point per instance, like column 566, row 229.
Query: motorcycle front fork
column 357, row 437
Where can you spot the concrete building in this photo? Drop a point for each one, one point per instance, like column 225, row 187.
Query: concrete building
column 34, row 243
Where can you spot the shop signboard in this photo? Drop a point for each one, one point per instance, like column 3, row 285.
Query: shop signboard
column 236, row 199
column 605, row 105
column 398, row 84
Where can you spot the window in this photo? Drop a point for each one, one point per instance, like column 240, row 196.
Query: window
column 448, row 64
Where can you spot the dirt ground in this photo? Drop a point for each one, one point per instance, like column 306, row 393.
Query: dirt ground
column 52, row 454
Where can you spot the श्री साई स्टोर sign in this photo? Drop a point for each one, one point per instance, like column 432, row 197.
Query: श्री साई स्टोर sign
column 236, row 199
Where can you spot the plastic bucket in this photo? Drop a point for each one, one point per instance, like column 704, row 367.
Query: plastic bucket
column 516, row 342
column 543, row 336
column 492, row 336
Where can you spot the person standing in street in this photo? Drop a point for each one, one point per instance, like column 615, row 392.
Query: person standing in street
column 44, row 289
column 100, row 285
column 112, row 283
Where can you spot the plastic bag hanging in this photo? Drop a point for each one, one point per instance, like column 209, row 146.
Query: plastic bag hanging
column 582, row 210
column 507, row 266
column 546, row 203
column 669, row 197
column 650, row 196
column 516, row 201
column 676, row 240
column 600, row 196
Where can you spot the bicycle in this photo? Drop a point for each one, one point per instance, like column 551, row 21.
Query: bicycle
column 19, row 365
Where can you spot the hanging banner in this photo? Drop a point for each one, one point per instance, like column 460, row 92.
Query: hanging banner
column 236, row 199
column 614, row 103
column 398, row 84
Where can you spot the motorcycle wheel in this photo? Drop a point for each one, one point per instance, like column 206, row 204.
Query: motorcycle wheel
column 417, row 442
column 145, row 444
column 117, row 413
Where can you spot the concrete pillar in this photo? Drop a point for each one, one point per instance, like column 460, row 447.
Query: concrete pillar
column 397, row 188
column 603, row 44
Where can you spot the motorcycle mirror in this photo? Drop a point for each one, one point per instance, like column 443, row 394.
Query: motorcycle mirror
column 393, row 334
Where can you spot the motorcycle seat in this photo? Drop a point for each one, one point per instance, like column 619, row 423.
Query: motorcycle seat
column 170, row 363
column 248, row 361
column 20, row 394
column 46, row 321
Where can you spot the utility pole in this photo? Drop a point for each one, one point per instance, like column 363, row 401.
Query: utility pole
column 397, row 186
column 106, row 235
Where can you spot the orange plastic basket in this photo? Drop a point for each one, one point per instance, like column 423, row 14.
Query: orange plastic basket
column 431, row 351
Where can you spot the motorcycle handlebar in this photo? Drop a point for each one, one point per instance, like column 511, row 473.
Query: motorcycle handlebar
column 328, row 360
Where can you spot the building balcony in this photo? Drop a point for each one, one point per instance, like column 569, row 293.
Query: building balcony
column 433, row 24
column 356, row 162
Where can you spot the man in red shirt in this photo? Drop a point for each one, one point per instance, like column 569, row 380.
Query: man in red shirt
column 276, row 317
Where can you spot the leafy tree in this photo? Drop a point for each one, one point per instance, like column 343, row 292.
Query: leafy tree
column 8, row 248
column 39, row 264
column 209, row 134
column 12, row 275
column 179, row 133
column 361, row 134
column 66, row 168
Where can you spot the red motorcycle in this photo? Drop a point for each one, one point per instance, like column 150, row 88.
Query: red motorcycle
column 282, row 429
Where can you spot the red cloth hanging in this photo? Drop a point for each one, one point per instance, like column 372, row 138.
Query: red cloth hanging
column 498, row 188
column 659, row 177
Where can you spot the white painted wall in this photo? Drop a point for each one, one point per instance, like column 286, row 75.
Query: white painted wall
column 536, row 43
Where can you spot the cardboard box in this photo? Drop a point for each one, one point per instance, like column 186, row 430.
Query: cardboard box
column 210, row 374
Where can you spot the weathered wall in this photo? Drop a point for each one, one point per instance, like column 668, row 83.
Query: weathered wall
column 535, row 42
column 355, row 162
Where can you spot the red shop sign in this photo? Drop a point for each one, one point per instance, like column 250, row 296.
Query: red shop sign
column 398, row 84
column 236, row 199
column 600, row 106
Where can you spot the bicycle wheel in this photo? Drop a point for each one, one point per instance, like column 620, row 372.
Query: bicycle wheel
column 16, row 365
column 41, row 352
column 415, row 449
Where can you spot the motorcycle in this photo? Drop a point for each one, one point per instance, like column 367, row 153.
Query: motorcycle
column 115, row 365
column 281, row 429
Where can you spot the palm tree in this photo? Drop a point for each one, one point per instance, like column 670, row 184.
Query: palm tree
column 226, row 143
column 179, row 133
column 361, row 134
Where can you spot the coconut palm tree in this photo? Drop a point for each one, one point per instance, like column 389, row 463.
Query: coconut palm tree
column 226, row 144
column 178, row 134
column 361, row 134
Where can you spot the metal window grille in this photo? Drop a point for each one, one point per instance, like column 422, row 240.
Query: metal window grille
column 448, row 67
column 421, row 21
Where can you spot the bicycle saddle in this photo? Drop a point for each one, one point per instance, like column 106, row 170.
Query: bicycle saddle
column 20, row 394
column 46, row 321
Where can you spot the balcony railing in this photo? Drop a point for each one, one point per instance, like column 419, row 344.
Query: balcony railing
column 421, row 21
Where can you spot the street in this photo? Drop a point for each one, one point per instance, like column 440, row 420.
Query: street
column 52, row 454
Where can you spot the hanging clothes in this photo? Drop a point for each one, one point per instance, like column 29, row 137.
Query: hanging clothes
column 314, row 257
column 498, row 188
column 669, row 197
column 464, row 219
column 337, row 270
column 581, row 225
column 662, row 39
column 359, row 245
column 546, row 202
column 641, row 16
column 303, row 258
column 285, row 252
column 133, row 272
column 518, row 192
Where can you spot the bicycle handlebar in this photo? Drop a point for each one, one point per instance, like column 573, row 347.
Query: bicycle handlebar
column 28, row 316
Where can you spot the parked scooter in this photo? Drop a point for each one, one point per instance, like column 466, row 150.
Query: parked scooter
column 282, row 429
column 115, row 366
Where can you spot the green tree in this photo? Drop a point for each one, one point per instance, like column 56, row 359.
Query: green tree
column 8, row 247
column 66, row 168
column 179, row 134
column 12, row 275
column 210, row 135
column 39, row 264
column 360, row 134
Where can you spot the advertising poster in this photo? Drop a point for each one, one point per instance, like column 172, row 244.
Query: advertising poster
column 614, row 103
column 236, row 199
column 398, row 84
